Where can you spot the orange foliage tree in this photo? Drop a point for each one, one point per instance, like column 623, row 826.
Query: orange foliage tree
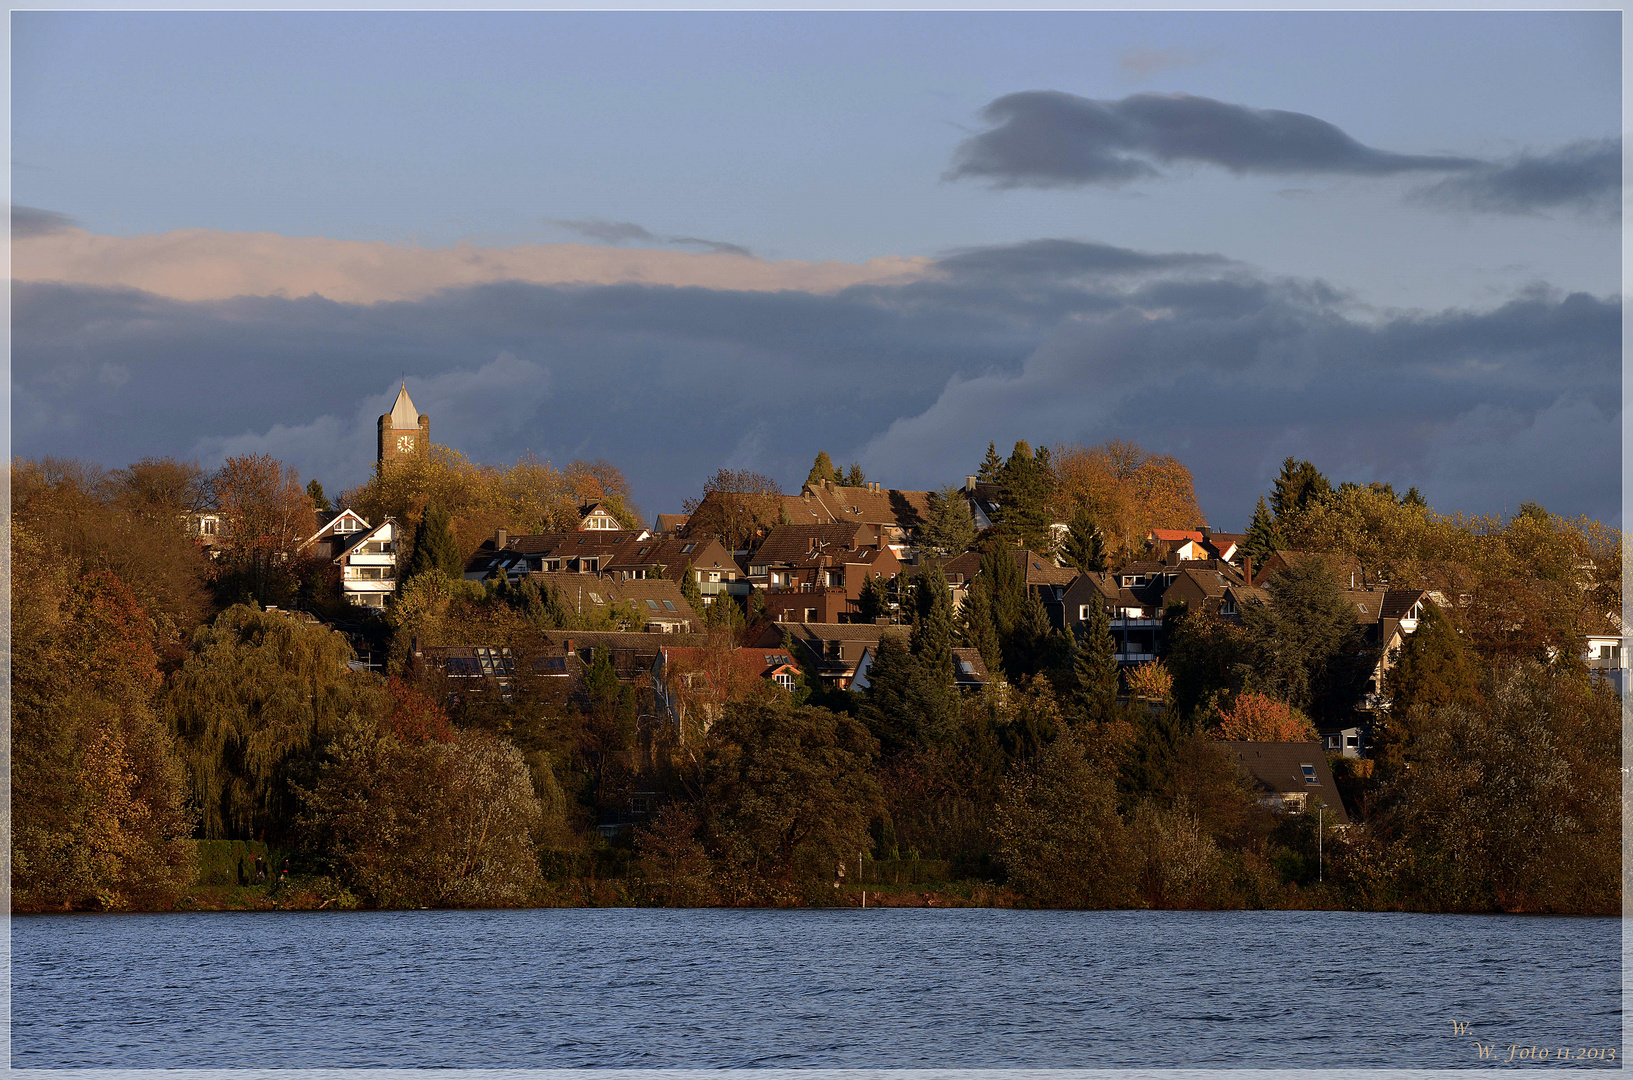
column 1255, row 717
column 1127, row 490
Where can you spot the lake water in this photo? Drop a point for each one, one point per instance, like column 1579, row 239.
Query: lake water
column 892, row 988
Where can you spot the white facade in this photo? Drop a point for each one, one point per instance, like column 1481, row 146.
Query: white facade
column 368, row 568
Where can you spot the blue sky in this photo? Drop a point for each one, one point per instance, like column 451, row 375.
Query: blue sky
column 1447, row 178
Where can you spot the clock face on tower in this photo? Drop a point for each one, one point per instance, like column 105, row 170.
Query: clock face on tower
column 405, row 444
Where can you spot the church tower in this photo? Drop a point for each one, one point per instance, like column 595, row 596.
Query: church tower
column 404, row 433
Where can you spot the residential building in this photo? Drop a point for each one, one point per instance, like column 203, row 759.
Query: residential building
column 834, row 649
column 1044, row 578
column 653, row 605
column 1290, row 777
column 815, row 573
column 897, row 514
column 598, row 518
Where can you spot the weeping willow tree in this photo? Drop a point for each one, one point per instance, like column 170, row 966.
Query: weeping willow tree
column 257, row 699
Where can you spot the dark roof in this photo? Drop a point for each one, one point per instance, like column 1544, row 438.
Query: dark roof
column 823, row 503
column 1397, row 602
column 794, row 544
column 1039, row 569
column 1279, row 767
column 671, row 523
column 654, row 599
column 968, row 668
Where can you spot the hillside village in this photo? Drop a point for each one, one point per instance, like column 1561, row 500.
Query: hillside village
column 1061, row 623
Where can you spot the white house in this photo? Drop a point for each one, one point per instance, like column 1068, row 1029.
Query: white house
column 366, row 555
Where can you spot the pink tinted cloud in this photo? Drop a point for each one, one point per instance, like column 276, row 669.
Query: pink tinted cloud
column 204, row 264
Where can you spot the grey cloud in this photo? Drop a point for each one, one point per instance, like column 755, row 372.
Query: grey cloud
column 1065, row 259
column 605, row 232
column 719, row 247
column 1198, row 357
column 1584, row 177
column 29, row 221
column 618, row 232
column 1046, row 138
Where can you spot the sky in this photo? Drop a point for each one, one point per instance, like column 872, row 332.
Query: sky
column 1387, row 242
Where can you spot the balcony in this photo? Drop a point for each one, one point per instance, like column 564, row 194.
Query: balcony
column 1128, row 624
column 371, row 559
column 361, row 585
column 805, row 587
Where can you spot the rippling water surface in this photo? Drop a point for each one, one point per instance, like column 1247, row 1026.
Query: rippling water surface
column 814, row 988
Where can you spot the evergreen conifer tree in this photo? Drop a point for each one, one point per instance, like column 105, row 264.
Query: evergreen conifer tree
column 1085, row 549
column 951, row 529
column 1434, row 669
column 435, row 547
column 872, row 603
column 320, row 501
column 979, row 632
column 1297, row 488
column 1262, row 537
column 932, row 641
column 822, row 469
column 1094, row 666
column 988, row 472
column 1025, row 484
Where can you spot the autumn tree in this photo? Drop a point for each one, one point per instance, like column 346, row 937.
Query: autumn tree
column 1522, row 809
column 431, row 823
column 163, row 487
column 1256, row 717
column 1058, row 832
column 736, row 504
column 788, row 791
column 265, row 514
column 1127, row 491
column 86, row 522
column 257, row 699
column 98, row 796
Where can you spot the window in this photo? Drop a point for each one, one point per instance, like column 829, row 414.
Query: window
column 1309, row 774
column 714, row 576
column 653, row 604
column 208, row 526
column 595, row 597
column 1352, row 741
column 668, row 606
column 686, row 549
column 784, row 680
column 1082, row 611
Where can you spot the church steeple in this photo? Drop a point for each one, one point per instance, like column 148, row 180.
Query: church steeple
column 403, row 414
column 405, row 432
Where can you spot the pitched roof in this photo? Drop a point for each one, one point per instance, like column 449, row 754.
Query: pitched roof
column 1176, row 535
column 825, row 503
column 403, row 413
column 1280, row 767
column 794, row 544
column 671, row 523
column 1039, row 569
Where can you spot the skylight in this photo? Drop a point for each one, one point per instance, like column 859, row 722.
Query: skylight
column 1309, row 774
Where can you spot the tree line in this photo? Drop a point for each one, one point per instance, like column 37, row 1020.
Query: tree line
column 152, row 706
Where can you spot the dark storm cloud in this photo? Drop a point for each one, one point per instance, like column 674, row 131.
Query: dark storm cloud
column 1584, row 177
column 1046, row 138
column 28, row 221
column 1188, row 354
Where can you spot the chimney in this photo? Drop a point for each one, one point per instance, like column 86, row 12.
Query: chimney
column 1247, row 569
column 500, row 538
column 566, row 647
column 969, row 483
column 1205, row 531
